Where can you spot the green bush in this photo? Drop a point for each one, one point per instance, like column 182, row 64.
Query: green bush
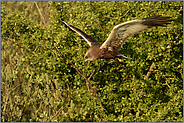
column 44, row 78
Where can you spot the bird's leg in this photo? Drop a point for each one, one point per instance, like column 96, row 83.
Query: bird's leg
column 126, row 57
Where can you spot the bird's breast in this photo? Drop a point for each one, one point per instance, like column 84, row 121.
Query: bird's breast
column 108, row 54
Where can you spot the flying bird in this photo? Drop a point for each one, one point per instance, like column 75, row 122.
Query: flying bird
column 119, row 34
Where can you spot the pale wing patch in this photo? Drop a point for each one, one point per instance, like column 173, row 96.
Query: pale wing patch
column 123, row 31
column 131, row 30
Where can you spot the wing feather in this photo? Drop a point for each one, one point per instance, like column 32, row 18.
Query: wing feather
column 120, row 33
column 86, row 37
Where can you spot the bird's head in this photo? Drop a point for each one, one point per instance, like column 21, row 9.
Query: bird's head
column 89, row 57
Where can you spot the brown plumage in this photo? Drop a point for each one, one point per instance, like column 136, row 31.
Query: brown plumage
column 119, row 34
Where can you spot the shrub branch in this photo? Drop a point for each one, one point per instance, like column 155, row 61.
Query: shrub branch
column 87, row 79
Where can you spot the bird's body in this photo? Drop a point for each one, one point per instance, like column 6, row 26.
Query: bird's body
column 119, row 34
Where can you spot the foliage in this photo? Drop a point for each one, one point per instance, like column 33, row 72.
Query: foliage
column 41, row 61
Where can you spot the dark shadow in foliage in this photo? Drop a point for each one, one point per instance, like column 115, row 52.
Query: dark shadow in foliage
column 179, row 20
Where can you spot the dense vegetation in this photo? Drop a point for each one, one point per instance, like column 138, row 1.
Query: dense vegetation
column 44, row 78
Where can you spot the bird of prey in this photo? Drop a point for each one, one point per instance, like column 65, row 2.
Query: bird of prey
column 119, row 34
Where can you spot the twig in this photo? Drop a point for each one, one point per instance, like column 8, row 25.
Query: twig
column 40, row 13
column 109, row 17
column 88, row 83
column 149, row 72
column 46, row 10
column 167, row 84
column 91, row 74
column 58, row 112
column 121, row 16
column 52, row 83
column 128, row 11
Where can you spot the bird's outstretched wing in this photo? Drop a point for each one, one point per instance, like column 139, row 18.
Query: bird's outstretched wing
column 89, row 40
column 120, row 33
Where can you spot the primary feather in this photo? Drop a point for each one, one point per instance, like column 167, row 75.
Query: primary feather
column 86, row 37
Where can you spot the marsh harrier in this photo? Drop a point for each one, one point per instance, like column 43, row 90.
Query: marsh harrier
column 119, row 34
